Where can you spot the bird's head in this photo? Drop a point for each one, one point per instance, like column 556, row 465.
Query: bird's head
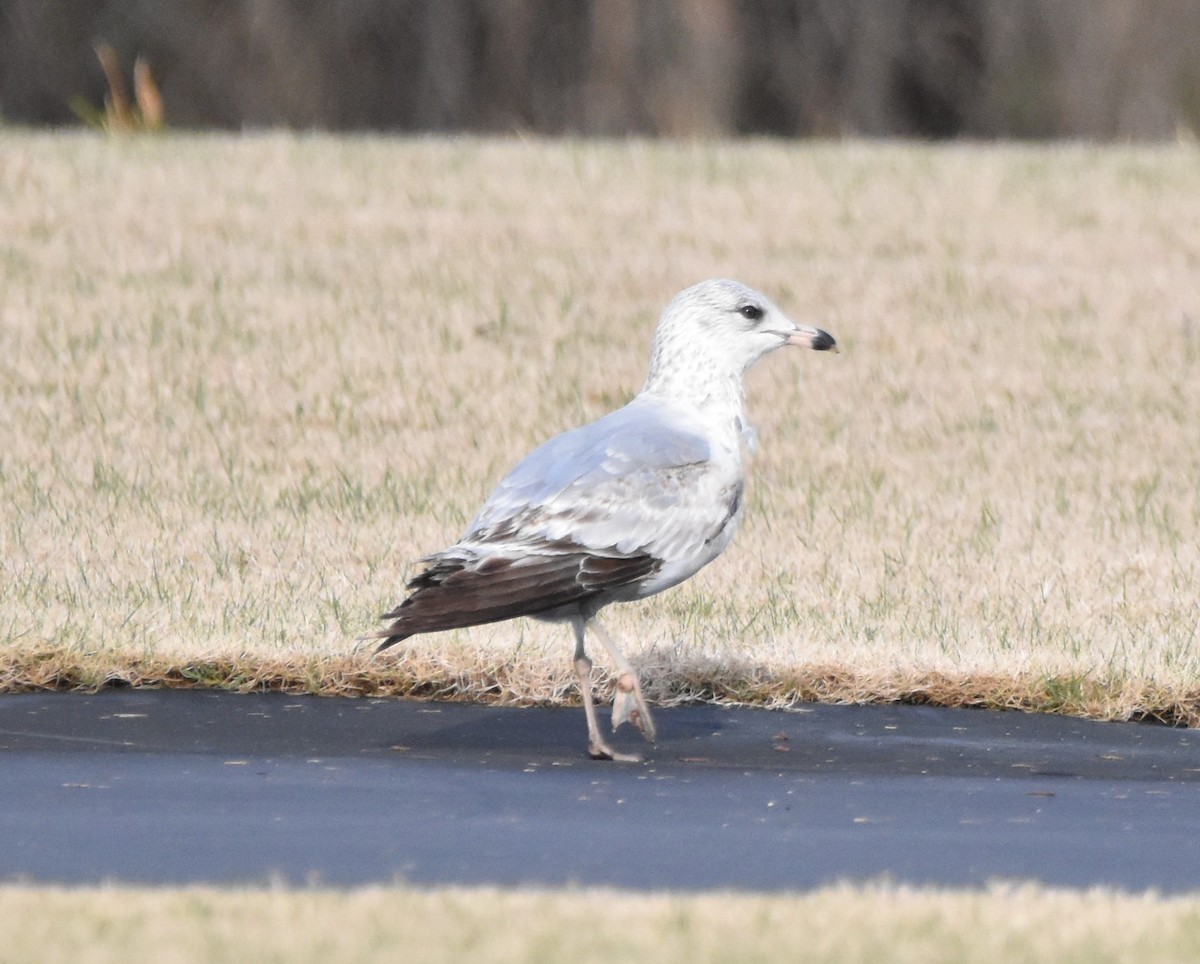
column 721, row 327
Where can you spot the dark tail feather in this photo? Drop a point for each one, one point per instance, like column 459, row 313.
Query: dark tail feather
column 452, row 596
column 454, row 593
column 389, row 637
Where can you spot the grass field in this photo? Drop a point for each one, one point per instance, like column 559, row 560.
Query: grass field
column 840, row 924
column 248, row 380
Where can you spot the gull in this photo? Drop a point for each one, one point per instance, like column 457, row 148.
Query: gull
column 621, row 508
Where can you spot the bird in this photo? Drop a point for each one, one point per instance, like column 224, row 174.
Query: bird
column 621, row 508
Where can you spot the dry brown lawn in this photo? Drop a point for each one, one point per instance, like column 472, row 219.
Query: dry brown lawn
column 246, row 381
column 838, row 924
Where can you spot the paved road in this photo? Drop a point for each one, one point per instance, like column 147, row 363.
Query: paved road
column 175, row 787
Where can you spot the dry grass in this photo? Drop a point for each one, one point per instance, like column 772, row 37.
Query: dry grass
column 843, row 924
column 247, row 381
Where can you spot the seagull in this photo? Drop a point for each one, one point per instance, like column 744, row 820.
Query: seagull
column 621, row 508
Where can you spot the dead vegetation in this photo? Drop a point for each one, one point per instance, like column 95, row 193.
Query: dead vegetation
column 426, row 676
column 95, row 925
column 122, row 115
column 232, row 427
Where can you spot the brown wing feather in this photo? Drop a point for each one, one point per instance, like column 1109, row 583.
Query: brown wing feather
column 458, row 589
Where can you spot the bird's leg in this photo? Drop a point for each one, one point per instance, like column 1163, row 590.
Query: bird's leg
column 628, row 703
column 597, row 748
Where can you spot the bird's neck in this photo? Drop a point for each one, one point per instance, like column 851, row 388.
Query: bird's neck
column 718, row 395
column 697, row 378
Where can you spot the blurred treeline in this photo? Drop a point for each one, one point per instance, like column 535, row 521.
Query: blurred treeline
column 925, row 68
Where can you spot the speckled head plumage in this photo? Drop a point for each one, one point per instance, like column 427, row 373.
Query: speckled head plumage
column 714, row 331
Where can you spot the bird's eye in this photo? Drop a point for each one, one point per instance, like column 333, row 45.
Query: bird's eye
column 750, row 312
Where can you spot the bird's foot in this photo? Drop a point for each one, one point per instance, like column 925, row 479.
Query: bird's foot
column 599, row 750
column 628, row 705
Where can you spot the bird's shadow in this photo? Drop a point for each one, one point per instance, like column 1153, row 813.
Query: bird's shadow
column 489, row 732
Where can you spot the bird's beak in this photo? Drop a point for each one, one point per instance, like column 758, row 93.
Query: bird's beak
column 815, row 338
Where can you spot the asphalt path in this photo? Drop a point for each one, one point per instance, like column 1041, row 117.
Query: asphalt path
column 172, row 787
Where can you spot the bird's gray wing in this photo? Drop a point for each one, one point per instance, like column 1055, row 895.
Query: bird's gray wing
column 621, row 485
column 592, row 511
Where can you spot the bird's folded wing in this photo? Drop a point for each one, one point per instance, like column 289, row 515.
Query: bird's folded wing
column 634, row 481
column 592, row 511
